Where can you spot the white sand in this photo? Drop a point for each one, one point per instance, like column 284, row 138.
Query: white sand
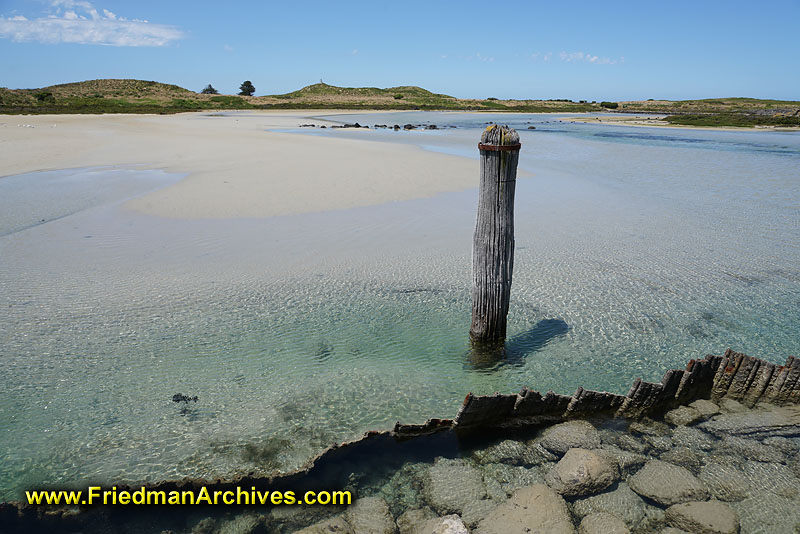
column 234, row 167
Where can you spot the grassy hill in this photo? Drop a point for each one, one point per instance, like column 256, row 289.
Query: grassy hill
column 138, row 96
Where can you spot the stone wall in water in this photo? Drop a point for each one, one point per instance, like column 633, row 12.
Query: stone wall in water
column 733, row 375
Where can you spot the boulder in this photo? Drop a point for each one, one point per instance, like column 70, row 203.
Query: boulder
column 693, row 438
column 771, row 477
column 450, row 524
column 648, row 427
column 630, row 443
column 725, row 483
column 332, row 525
column 749, row 449
column 450, row 485
column 765, row 421
column 602, row 523
column 627, row 461
column 705, row 407
column 683, row 416
column 508, row 451
column 533, row 510
column 582, row 472
column 710, row 517
column 768, row 514
column 731, row 406
column 370, row 515
column 410, row 520
column 621, row 502
column 477, row 510
column 502, row 480
column 667, row 484
column 659, row 444
column 684, row 457
column 572, row 434
column 242, row 524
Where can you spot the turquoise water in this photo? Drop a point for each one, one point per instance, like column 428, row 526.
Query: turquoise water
column 637, row 249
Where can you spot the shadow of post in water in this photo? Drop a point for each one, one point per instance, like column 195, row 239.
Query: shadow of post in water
column 487, row 355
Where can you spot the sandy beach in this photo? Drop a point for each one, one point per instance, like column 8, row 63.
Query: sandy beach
column 234, row 167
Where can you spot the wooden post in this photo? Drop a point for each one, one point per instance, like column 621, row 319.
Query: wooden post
column 493, row 244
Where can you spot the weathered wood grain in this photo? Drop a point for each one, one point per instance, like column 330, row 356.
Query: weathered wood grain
column 493, row 243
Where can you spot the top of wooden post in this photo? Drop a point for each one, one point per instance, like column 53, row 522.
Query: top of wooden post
column 499, row 138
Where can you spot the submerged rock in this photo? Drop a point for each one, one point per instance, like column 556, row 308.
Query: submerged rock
column 450, row 524
column 705, row 407
column 763, row 421
column 242, row 524
column 768, row 514
column 508, row 451
column 450, row 485
column 533, row 510
column 771, row 478
column 370, row 515
column 477, row 510
column 749, row 449
column 622, row 502
column 572, row 434
column 649, row 427
column 724, row 482
column 693, row 439
column 711, row 517
column 410, row 520
column 627, row 461
column 502, row 480
column 683, row 416
column 602, row 523
column 582, row 472
column 684, row 457
column 667, row 484
column 333, row 525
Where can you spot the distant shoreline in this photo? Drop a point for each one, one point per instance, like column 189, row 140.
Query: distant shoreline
column 637, row 121
column 127, row 96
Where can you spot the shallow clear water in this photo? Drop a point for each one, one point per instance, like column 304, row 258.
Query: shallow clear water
column 637, row 249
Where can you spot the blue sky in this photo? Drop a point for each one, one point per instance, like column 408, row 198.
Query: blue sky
column 579, row 50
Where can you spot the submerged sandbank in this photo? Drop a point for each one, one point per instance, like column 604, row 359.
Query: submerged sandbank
column 234, row 166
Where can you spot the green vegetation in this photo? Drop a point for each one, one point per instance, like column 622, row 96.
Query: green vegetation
column 139, row 96
column 247, row 88
column 734, row 119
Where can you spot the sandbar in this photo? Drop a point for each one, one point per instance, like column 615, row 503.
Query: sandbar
column 234, row 166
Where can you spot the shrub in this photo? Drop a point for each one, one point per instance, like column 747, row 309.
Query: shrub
column 609, row 105
column 46, row 96
column 209, row 90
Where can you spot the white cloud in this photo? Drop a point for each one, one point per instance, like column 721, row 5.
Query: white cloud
column 78, row 22
column 589, row 58
column 575, row 57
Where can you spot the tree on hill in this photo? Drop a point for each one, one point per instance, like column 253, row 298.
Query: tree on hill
column 209, row 90
column 247, row 89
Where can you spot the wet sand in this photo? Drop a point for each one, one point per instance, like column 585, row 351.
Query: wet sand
column 235, row 168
